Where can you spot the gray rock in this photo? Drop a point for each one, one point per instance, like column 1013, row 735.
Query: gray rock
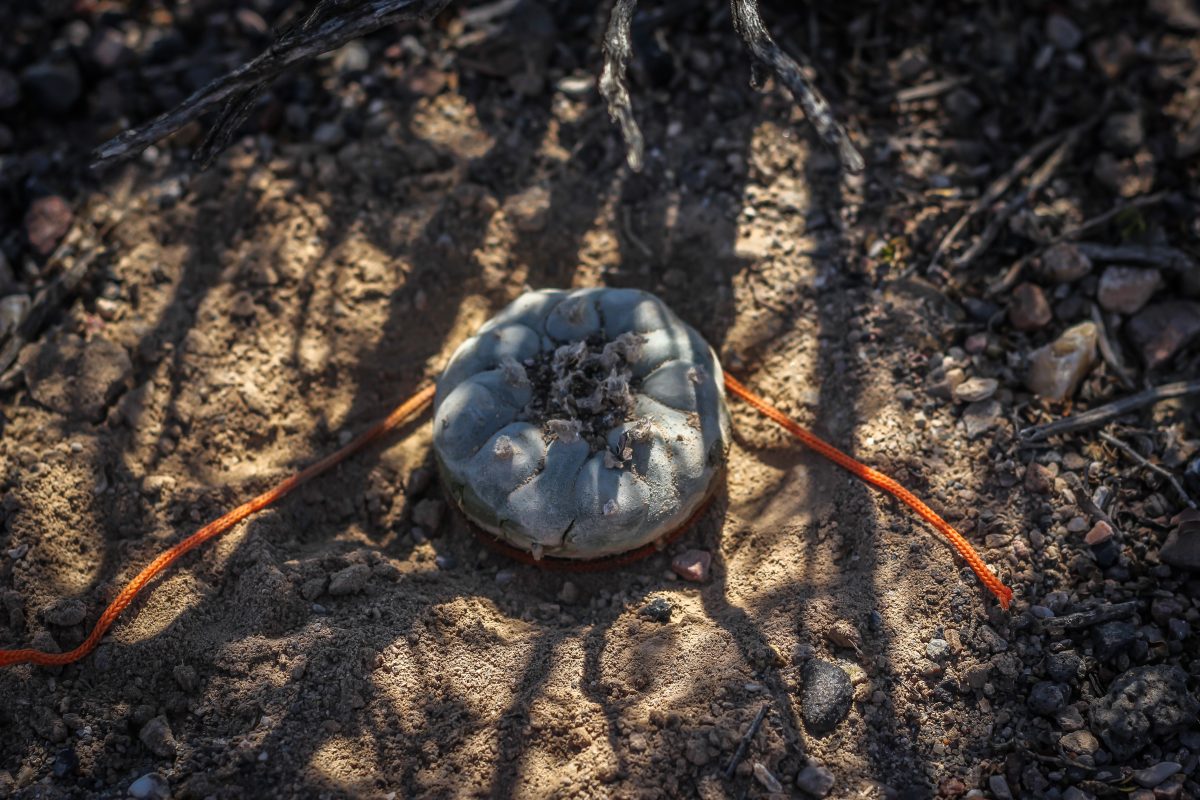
column 1127, row 289
column 963, row 104
column 1182, row 548
column 1063, row 33
column 766, row 778
column 1056, row 370
column 1064, row 667
column 350, row 580
column 1064, row 263
column 1082, row 743
column 1161, row 330
column 1144, row 704
column 815, row 780
column 1112, row 638
column 352, row 57
column 1028, row 309
column 1069, row 719
column 156, row 735
column 329, row 134
column 937, row 649
column 981, row 417
column 1047, row 698
column 71, row 376
column 150, row 786
column 65, row 612
column 827, row 695
column 974, row 390
column 1123, row 132
column 54, row 85
column 999, row 786
column 1153, row 776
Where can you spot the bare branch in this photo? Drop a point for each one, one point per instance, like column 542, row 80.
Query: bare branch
column 327, row 28
column 749, row 25
column 1102, row 414
column 618, row 49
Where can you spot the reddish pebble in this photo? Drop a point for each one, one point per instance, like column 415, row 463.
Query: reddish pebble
column 693, row 565
column 46, row 223
column 1100, row 532
column 1029, row 309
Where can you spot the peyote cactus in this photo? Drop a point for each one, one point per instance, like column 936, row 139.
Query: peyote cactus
column 581, row 424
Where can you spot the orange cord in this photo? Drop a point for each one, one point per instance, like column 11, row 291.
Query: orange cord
column 403, row 413
column 881, row 481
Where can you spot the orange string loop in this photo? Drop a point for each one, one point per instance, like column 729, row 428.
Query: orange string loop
column 881, row 481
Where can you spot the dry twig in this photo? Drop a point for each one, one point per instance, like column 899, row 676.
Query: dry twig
column 328, row 27
column 768, row 55
column 1111, row 354
column 1155, row 468
column 617, row 51
column 1102, row 414
column 1092, row 616
column 744, row 745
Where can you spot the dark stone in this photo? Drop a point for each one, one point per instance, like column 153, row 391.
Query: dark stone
column 1107, row 553
column 1047, row 697
column 1064, row 667
column 659, row 610
column 65, row 763
column 1111, row 638
column 55, row 86
column 1143, row 705
column 827, row 695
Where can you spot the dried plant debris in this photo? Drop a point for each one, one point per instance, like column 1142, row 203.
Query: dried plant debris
column 582, row 424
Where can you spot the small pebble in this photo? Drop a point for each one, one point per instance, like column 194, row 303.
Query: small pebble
column 445, row 561
column 658, row 610
column 1028, row 309
column 692, row 565
column 1127, row 289
column 937, row 649
column 350, row 580
column 150, row 786
column 1063, row 33
column 1056, row 370
column 1153, row 776
column 1064, row 263
column 999, row 786
column 1100, row 532
column 826, row 696
column 764, row 776
column 815, row 780
column 156, row 735
column 973, row 390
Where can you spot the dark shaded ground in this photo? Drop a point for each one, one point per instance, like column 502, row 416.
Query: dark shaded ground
column 385, row 201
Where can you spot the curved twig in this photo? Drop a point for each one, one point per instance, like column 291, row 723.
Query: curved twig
column 1102, row 414
column 617, row 51
column 749, row 26
column 239, row 87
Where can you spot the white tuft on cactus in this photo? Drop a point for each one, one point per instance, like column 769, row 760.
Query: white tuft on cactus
column 582, row 424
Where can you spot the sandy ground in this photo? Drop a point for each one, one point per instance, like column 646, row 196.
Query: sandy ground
column 296, row 292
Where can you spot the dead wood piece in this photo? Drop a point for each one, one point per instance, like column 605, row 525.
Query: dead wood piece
column 618, row 49
column 1140, row 255
column 1036, row 183
column 1092, row 616
column 329, row 26
column 768, row 55
column 1102, row 414
column 1108, row 351
column 1155, row 468
column 744, row 744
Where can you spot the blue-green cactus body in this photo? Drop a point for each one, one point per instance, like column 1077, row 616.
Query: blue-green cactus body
column 581, row 424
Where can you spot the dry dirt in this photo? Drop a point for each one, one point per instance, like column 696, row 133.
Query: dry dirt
column 296, row 292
